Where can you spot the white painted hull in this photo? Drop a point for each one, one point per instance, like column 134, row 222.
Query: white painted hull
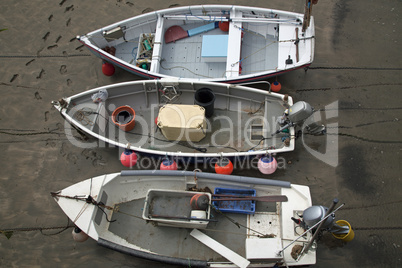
column 259, row 43
column 241, row 125
column 122, row 228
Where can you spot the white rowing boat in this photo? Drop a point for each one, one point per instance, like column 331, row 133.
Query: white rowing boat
column 149, row 214
column 187, row 119
column 221, row 43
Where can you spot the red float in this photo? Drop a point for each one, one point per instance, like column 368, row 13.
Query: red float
column 128, row 158
column 107, row 69
column 224, row 26
column 168, row 164
column 224, row 166
column 276, row 86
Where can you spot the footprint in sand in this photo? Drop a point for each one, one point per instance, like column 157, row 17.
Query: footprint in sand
column 69, row 82
column 50, row 17
column 51, row 47
column 51, row 143
column 70, row 8
column 13, row 78
column 63, row 69
column 92, row 155
column 59, row 126
column 40, row 74
column 46, row 36
column 29, row 62
column 63, row 149
column 147, row 10
column 37, row 96
column 73, row 158
column 46, row 116
column 68, row 22
column 58, row 39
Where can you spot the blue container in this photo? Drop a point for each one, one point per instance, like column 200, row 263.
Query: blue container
column 244, row 207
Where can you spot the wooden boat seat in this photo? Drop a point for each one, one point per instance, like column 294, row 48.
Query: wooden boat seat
column 234, row 45
column 286, row 49
column 157, row 49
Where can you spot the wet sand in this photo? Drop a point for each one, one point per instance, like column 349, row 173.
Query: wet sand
column 42, row 62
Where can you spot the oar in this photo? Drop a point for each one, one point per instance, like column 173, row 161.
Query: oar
column 268, row 198
column 297, row 44
column 180, row 218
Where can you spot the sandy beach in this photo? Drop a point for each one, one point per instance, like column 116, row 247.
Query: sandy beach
column 355, row 81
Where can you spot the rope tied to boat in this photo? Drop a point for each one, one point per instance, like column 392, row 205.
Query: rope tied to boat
column 8, row 232
column 89, row 200
column 82, row 116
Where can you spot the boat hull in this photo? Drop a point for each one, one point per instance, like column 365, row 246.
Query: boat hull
column 241, row 126
column 114, row 219
column 261, row 43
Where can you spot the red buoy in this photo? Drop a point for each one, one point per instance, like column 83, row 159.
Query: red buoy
column 156, row 120
column 128, row 158
column 224, row 166
column 224, row 26
column 276, row 86
column 107, row 69
column 168, row 164
column 267, row 164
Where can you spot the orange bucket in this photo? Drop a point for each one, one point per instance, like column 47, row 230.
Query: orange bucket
column 123, row 117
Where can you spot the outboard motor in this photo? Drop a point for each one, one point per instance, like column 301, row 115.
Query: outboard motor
column 298, row 114
column 314, row 214
column 316, row 219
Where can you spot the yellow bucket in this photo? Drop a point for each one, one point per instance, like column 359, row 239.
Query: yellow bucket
column 345, row 237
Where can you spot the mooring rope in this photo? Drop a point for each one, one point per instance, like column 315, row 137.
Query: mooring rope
column 8, row 232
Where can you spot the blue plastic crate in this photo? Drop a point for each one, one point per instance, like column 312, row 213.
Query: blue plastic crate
column 244, row 207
